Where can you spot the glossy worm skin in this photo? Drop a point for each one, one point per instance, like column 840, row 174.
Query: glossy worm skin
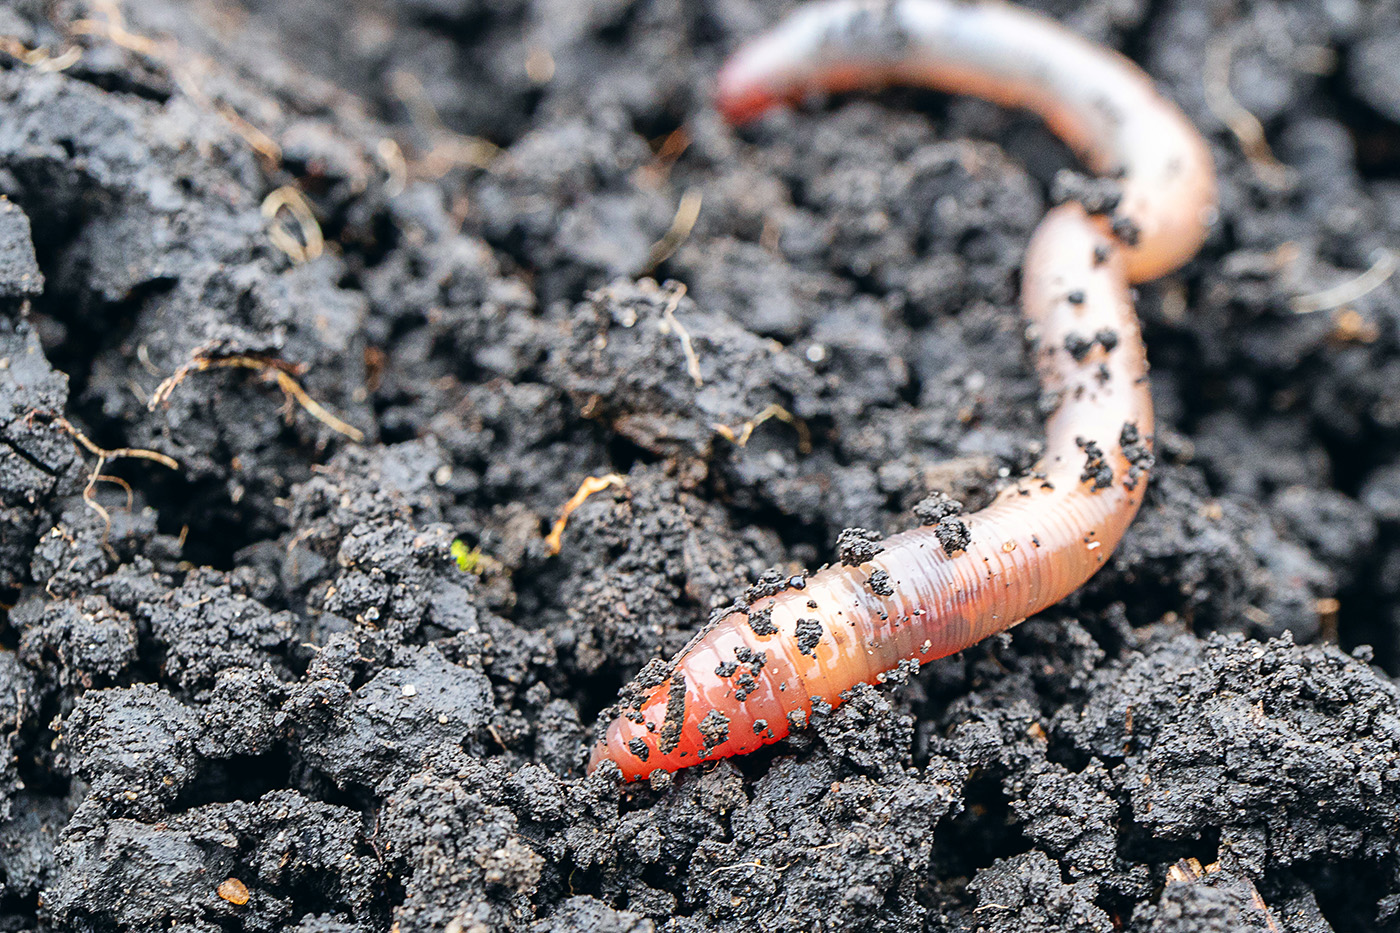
column 754, row 673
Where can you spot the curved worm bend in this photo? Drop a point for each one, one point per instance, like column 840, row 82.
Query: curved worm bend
column 755, row 672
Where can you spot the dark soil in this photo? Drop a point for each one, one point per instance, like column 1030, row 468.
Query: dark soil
column 267, row 665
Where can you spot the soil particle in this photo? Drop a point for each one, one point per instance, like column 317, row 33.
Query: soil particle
column 1231, row 569
column 373, row 736
column 808, row 635
column 208, row 626
column 295, row 853
column 1317, row 755
column 1025, row 892
column 1097, row 470
column 40, row 462
column 134, row 746
column 585, row 913
column 714, row 728
column 761, row 621
column 953, row 534
column 1372, row 67
column 76, row 642
column 1078, row 346
column 857, row 546
column 670, row 735
column 19, row 269
column 21, row 706
column 936, row 507
column 1137, row 453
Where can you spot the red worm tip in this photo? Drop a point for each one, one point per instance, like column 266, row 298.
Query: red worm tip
column 596, row 756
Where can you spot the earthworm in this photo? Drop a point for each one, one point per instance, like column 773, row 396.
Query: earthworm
column 758, row 669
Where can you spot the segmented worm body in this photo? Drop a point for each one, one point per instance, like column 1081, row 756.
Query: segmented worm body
column 756, row 671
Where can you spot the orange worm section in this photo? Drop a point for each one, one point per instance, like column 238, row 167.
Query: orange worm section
column 754, row 674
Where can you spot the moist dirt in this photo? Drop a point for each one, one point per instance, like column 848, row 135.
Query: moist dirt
column 314, row 315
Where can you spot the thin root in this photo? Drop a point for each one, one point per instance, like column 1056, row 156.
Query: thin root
column 1263, row 908
column 692, row 361
column 113, row 29
column 740, row 438
column 120, row 453
column 1245, row 125
column 1381, row 269
column 667, row 154
column 261, row 143
column 104, row 456
column 40, row 59
column 687, row 212
column 312, row 243
column 589, row 486
column 450, row 149
column 391, row 157
column 276, row 370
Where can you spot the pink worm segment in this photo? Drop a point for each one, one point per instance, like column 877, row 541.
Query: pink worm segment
column 752, row 676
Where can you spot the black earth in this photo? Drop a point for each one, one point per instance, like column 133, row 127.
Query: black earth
column 314, row 315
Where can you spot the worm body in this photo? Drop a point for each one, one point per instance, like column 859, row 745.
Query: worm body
column 1101, row 104
column 756, row 672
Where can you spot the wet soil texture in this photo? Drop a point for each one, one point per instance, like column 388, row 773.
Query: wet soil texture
column 314, row 314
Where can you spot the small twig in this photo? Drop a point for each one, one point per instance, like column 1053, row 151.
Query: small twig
column 1382, row 268
column 1327, row 609
column 692, row 361
column 672, row 147
column 587, row 488
column 1263, row 908
column 1186, row 870
column 495, row 734
column 687, row 212
column 277, row 370
column 312, row 242
column 741, row 437
column 1245, row 125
